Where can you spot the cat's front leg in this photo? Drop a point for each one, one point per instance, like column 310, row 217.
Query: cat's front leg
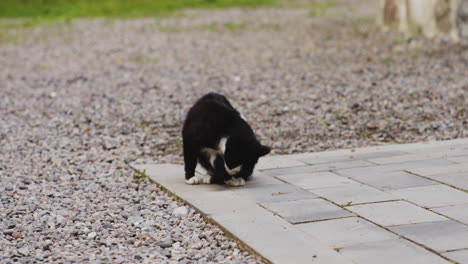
column 191, row 152
column 220, row 175
column 199, row 179
column 227, row 177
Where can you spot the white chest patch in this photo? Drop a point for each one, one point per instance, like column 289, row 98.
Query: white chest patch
column 222, row 145
column 212, row 153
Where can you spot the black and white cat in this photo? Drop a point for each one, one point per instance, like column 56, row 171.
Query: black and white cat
column 216, row 136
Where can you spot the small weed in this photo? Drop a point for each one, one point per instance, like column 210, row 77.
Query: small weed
column 358, row 31
column 415, row 34
column 235, row 27
column 143, row 125
column 179, row 143
column 415, row 53
column 325, row 121
column 387, row 60
column 142, row 59
column 175, row 197
column 139, row 176
column 320, row 9
column 363, row 136
column 346, row 204
column 406, row 39
column 338, row 249
column 340, row 116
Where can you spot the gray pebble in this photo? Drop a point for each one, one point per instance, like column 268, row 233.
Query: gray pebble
column 89, row 102
column 24, row 251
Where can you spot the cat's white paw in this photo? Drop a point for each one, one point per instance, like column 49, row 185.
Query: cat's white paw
column 199, row 179
column 206, row 179
column 192, row 181
column 235, row 182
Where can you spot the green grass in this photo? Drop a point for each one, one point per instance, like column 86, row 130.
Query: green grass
column 320, row 8
column 139, row 176
column 40, row 11
column 110, row 8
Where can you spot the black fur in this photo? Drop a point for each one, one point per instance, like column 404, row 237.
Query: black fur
column 210, row 119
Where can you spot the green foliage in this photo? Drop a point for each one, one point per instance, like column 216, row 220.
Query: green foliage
column 346, row 204
column 175, row 197
column 320, row 8
column 179, row 142
column 387, row 60
column 139, row 176
column 66, row 9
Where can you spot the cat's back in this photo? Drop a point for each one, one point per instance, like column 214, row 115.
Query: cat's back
column 210, row 111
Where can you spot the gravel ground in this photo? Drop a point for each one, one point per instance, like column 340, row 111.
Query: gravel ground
column 82, row 100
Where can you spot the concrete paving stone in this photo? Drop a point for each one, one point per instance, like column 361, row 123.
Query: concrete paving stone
column 444, row 148
column 445, row 153
column 307, row 210
column 381, row 154
column 259, row 178
column 354, row 172
column 288, row 171
column 459, row 159
column 345, row 232
column 446, row 169
column 393, row 180
column 353, row 193
column 433, row 195
column 460, row 256
column 315, row 180
column 395, row 213
column 440, row 236
column 352, row 157
column 269, row 235
column 273, row 162
column 276, row 239
column 339, row 165
column 457, row 212
column 419, row 147
column 273, row 193
column 317, row 168
column 459, row 180
column 391, row 252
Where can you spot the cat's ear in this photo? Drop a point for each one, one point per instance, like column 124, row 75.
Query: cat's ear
column 264, row 150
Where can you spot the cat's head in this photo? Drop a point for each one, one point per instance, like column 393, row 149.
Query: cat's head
column 244, row 158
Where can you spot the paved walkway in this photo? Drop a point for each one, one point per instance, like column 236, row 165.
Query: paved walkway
column 389, row 204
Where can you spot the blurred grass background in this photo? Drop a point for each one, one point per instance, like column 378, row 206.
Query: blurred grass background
column 110, row 8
